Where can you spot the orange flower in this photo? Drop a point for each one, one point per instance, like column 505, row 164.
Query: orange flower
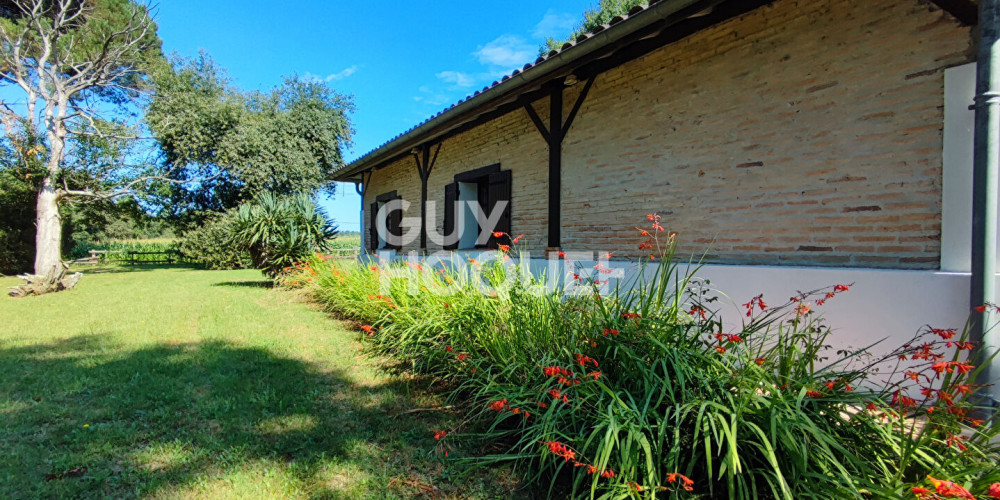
column 686, row 482
column 610, row 331
column 920, row 492
column 499, row 405
column 504, row 248
column 368, row 328
column 760, row 361
column 841, row 288
column 950, row 489
column 515, row 240
column 440, row 434
column 497, row 234
column 720, row 350
column 814, row 394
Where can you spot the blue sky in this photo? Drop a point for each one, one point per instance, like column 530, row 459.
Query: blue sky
column 402, row 61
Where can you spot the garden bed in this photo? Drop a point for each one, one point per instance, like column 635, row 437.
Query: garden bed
column 639, row 392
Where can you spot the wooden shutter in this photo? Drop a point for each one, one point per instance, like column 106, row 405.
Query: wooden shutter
column 394, row 225
column 372, row 228
column 450, row 197
column 500, row 190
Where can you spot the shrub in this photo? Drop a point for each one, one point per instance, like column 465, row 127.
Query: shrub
column 640, row 392
column 212, row 244
column 278, row 231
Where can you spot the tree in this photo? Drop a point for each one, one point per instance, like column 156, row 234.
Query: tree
column 592, row 18
column 79, row 65
column 284, row 141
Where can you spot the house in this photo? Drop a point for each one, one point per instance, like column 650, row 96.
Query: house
column 799, row 143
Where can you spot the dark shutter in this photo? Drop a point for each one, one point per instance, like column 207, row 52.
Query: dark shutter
column 499, row 190
column 394, row 226
column 450, row 197
column 372, row 228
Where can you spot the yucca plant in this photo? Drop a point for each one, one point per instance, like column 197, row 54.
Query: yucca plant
column 280, row 231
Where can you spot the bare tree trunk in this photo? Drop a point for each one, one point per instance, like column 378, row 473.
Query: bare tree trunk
column 48, row 235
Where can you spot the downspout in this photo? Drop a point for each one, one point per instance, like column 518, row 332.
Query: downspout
column 986, row 154
column 359, row 188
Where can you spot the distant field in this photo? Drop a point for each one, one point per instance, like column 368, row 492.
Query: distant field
column 347, row 240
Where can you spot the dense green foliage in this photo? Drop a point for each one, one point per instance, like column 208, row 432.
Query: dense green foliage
column 17, row 216
column 211, row 244
column 592, row 18
column 278, row 231
column 639, row 393
column 285, row 141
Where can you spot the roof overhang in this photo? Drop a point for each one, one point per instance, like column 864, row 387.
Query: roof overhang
column 642, row 30
column 527, row 84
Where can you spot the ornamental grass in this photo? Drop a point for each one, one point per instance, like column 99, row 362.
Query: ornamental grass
column 640, row 391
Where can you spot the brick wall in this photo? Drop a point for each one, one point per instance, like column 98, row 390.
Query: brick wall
column 805, row 132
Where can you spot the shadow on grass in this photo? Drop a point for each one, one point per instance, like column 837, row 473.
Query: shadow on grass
column 247, row 284
column 127, row 268
column 172, row 416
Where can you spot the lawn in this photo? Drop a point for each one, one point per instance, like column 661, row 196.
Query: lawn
column 181, row 383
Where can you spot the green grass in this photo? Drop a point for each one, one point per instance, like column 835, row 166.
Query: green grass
column 183, row 383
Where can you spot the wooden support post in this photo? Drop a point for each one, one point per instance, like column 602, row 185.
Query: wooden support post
column 424, row 168
column 554, row 135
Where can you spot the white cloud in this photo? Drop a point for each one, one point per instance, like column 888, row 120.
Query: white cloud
column 508, row 51
column 340, row 75
column 457, row 77
column 344, row 73
column 554, row 24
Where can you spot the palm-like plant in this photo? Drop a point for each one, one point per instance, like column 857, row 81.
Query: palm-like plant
column 279, row 231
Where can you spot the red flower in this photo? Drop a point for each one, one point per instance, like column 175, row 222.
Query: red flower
column 504, row 248
column 720, row 350
column 841, row 288
column 611, row 331
column 920, row 492
column 461, row 357
column 497, row 234
column 449, row 349
column 499, row 405
column 686, row 482
column 950, row 489
column 994, row 491
column 608, row 473
column 829, row 385
column 369, row 329
column 440, row 434
column 734, row 338
column 560, row 450
column 550, row 371
column 584, row 360
column 515, row 240
column 631, row 315
column 760, row 361
column 595, row 375
column 943, row 333
column 562, row 255
column 814, row 394
column 956, row 442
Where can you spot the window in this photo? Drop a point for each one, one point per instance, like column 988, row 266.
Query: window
column 483, row 187
column 393, row 222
